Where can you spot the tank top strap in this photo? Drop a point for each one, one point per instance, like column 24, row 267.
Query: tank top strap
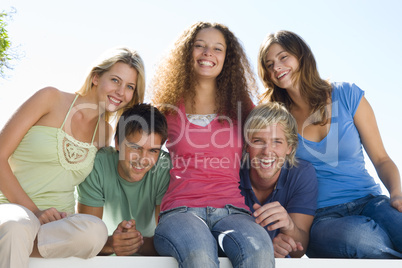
column 69, row 110
column 96, row 128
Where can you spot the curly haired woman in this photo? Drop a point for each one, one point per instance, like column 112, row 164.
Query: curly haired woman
column 204, row 87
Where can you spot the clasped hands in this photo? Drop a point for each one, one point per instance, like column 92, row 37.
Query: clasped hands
column 126, row 240
column 274, row 216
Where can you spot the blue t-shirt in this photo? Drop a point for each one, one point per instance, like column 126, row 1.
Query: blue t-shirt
column 338, row 158
column 296, row 190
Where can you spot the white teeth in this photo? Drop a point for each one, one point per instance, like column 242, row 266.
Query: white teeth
column 139, row 165
column 267, row 162
column 114, row 100
column 282, row 74
column 136, row 167
column 207, row 63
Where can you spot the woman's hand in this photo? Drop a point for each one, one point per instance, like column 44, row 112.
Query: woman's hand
column 49, row 215
column 396, row 202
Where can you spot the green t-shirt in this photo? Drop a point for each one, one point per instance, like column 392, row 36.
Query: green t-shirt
column 123, row 200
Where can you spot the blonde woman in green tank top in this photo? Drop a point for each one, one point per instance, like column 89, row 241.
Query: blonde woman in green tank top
column 47, row 148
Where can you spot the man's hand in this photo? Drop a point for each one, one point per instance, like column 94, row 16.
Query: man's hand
column 49, row 215
column 274, row 215
column 284, row 245
column 126, row 240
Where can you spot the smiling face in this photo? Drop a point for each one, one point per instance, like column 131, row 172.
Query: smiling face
column 138, row 154
column 267, row 149
column 116, row 87
column 209, row 53
column 281, row 66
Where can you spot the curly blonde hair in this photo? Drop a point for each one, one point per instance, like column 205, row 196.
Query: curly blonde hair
column 175, row 79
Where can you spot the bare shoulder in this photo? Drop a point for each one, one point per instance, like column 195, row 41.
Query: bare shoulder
column 54, row 98
column 53, row 95
column 49, row 92
column 52, row 104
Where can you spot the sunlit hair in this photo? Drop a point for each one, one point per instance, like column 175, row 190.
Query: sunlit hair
column 268, row 115
column 141, row 117
column 124, row 55
column 174, row 80
column 315, row 90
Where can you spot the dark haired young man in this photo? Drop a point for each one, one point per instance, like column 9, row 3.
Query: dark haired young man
column 127, row 183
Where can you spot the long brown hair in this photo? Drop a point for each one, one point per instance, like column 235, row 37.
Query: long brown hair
column 175, row 80
column 315, row 90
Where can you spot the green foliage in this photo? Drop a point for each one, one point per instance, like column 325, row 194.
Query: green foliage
column 5, row 44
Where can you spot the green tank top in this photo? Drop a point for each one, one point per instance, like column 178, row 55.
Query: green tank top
column 49, row 163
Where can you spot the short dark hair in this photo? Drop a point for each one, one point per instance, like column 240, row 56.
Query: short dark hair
column 141, row 117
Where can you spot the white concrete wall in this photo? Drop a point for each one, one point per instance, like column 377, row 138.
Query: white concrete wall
column 168, row 262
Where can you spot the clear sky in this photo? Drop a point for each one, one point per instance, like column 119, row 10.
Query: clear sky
column 355, row 41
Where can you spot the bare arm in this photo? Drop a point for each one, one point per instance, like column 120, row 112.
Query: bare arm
column 157, row 212
column 294, row 228
column 33, row 110
column 387, row 171
column 301, row 232
column 148, row 248
column 95, row 211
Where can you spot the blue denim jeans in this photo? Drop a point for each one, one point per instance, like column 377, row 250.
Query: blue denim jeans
column 368, row 227
column 194, row 236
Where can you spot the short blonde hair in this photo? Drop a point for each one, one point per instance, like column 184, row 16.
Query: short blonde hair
column 124, row 55
column 268, row 114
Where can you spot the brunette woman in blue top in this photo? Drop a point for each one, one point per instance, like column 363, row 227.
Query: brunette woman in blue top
column 335, row 122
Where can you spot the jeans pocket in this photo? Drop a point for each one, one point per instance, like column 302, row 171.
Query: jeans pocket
column 169, row 212
column 236, row 210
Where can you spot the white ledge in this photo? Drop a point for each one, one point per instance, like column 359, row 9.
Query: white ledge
column 169, row 262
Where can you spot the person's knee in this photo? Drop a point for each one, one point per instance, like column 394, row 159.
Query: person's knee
column 79, row 235
column 374, row 244
column 16, row 242
column 249, row 248
column 260, row 250
column 12, row 229
column 188, row 253
column 92, row 235
column 200, row 258
column 363, row 239
column 23, row 229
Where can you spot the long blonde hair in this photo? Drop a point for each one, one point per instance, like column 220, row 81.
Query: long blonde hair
column 127, row 56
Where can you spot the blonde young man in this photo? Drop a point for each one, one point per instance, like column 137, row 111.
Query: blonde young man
column 280, row 190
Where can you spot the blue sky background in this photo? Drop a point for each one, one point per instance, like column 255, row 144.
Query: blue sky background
column 354, row 41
